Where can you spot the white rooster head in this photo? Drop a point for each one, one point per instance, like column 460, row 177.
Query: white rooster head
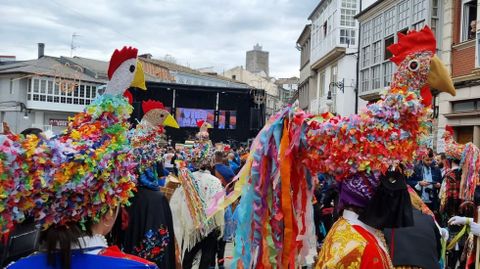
column 125, row 71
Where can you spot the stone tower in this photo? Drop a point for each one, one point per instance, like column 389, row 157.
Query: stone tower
column 257, row 60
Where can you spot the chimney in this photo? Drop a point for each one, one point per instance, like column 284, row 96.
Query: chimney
column 41, row 50
column 146, row 56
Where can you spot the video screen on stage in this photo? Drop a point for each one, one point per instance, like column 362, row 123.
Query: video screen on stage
column 188, row 117
column 227, row 119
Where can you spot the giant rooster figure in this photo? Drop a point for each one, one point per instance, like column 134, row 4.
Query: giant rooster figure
column 275, row 225
column 72, row 176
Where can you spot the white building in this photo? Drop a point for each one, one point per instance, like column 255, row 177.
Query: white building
column 379, row 24
column 333, row 60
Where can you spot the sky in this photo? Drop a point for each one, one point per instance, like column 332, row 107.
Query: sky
column 197, row 33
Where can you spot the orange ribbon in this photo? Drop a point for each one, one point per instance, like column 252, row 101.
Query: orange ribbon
column 285, row 172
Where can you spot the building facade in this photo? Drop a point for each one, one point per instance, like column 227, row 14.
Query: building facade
column 272, row 91
column 306, row 84
column 44, row 93
column 334, row 40
column 288, row 87
column 379, row 24
column 461, row 53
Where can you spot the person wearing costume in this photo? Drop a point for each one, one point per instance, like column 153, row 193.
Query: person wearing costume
column 189, row 202
column 74, row 184
column 356, row 238
column 150, row 232
column 458, row 197
column 418, row 246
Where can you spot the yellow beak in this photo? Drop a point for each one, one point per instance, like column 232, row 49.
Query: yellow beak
column 209, row 126
column 171, row 122
column 139, row 77
column 438, row 78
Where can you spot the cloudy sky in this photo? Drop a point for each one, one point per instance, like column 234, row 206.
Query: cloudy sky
column 197, row 33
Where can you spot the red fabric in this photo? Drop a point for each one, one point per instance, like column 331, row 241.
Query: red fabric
column 127, row 94
column 115, row 252
column 426, row 96
column 373, row 256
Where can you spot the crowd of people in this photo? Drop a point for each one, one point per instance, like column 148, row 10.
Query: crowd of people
column 322, row 191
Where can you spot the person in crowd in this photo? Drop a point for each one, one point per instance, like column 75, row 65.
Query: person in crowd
column 356, row 240
column 168, row 160
column 222, row 171
column 150, row 232
column 78, row 203
column 426, row 251
column 427, row 180
column 24, row 239
column 192, row 239
column 233, row 162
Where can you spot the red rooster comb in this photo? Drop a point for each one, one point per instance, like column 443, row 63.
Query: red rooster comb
column 200, row 123
column 449, row 129
column 151, row 104
column 414, row 41
column 120, row 56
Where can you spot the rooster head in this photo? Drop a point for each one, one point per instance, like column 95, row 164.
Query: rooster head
column 125, row 71
column 203, row 125
column 156, row 114
column 418, row 66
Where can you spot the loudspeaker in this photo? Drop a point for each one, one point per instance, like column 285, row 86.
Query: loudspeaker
column 256, row 120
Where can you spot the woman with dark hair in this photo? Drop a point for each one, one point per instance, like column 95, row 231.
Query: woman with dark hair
column 73, row 185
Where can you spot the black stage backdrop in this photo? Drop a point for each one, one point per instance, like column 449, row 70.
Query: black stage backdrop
column 235, row 102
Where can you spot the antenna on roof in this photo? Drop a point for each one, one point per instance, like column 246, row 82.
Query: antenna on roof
column 72, row 44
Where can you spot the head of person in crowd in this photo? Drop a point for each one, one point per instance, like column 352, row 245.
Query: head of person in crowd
column 231, row 156
column 219, row 157
column 428, row 159
column 32, row 131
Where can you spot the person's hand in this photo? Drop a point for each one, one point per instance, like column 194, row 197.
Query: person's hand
column 444, row 234
column 475, row 228
column 457, row 220
column 423, row 183
column 438, row 185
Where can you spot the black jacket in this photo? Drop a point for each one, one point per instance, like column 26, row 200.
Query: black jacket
column 415, row 246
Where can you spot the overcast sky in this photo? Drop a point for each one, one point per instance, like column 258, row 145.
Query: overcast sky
column 198, row 33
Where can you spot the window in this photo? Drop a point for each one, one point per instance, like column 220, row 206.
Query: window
column 376, row 76
column 49, row 90
column 322, row 83
column 349, row 4
column 334, row 73
column 403, row 14
column 347, row 17
column 50, row 87
column 387, row 73
column 347, row 36
column 464, row 106
column 234, row 77
column 418, row 10
column 366, row 33
column 387, row 43
column 377, row 28
column 365, row 79
column 11, row 86
column 43, row 86
column 325, row 29
column 390, row 21
column 36, row 85
column 377, row 52
column 366, row 56
column 469, row 19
